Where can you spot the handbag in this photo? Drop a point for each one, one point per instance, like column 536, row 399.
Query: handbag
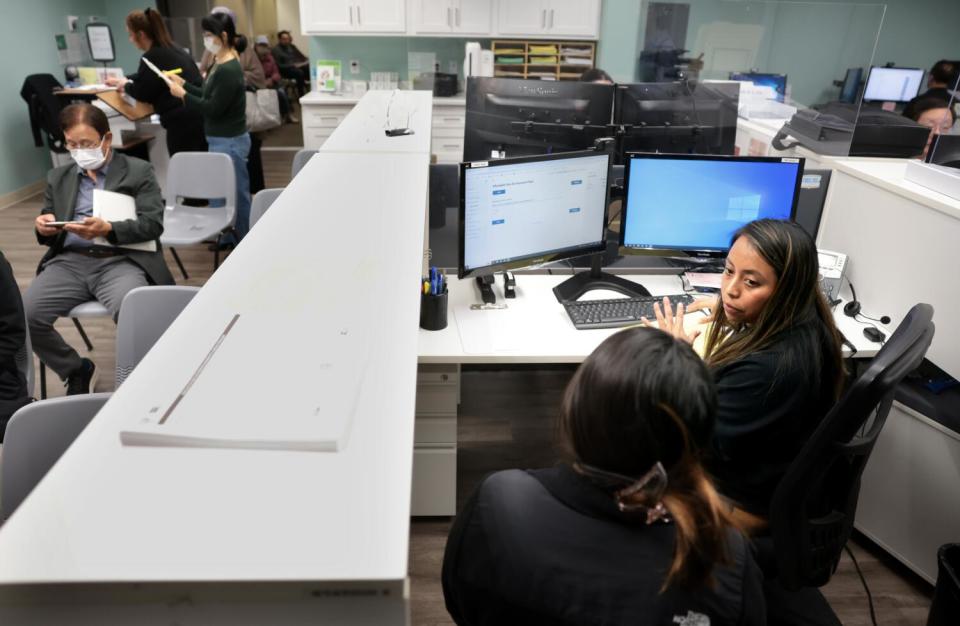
column 263, row 110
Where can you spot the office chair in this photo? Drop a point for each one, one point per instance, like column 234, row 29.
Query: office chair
column 87, row 309
column 261, row 202
column 300, row 159
column 813, row 507
column 207, row 175
column 145, row 314
column 37, row 435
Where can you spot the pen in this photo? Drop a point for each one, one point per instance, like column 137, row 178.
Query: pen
column 426, row 287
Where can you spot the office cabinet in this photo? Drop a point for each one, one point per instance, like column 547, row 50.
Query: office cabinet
column 331, row 17
column 550, row 18
column 451, row 17
column 434, row 490
column 446, row 141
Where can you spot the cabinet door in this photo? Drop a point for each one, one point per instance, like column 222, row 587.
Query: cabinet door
column 473, row 17
column 379, row 16
column 326, row 16
column 432, row 17
column 520, row 17
column 574, row 18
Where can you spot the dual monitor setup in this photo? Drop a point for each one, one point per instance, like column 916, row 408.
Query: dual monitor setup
column 528, row 211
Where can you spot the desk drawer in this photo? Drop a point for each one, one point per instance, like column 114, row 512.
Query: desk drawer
column 324, row 117
column 435, row 429
column 435, row 400
column 434, row 489
column 448, row 145
column 453, row 131
column 449, row 157
column 438, row 374
column 454, row 118
column 313, row 138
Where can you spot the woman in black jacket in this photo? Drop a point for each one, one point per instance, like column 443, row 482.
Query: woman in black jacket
column 184, row 127
column 629, row 530
column 13, row 335
column 775, row 354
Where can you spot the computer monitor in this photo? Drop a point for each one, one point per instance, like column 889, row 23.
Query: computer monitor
column 679, row 118
column 945, row 150
column 531, row 210
column 691, row 205
column 510, row 117
column 893, row 84
column 851, row 85
column 777, row 82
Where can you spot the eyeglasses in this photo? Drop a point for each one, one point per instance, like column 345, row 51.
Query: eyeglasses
column 82, row 145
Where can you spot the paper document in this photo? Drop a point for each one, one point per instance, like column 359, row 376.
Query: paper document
column 157, row 71
column 253, row 389
column 117, row 207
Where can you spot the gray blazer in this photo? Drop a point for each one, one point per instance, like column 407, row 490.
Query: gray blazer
column 126, row 175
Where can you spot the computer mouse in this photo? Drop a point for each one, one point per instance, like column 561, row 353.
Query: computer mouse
column 874, row 334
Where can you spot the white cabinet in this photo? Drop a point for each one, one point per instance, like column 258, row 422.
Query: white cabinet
column 451, row 17
column 325, row 17
column 575, row 19
column 434, row 489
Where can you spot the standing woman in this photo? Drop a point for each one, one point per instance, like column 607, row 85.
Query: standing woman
column 184, row 126
column 222, row 103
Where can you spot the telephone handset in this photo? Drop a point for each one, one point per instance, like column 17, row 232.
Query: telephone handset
column 832, row 265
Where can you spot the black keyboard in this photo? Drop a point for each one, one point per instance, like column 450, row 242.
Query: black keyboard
column 618, row 311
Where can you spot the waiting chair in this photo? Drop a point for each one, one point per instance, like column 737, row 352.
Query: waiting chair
column 89, row 309
column 145, row 314
column 207, row 175
column 300, row 159
column 261, row 202
column 37, row 435
column 813, row 507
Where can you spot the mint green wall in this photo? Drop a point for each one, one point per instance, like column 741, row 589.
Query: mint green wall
column 619, row 34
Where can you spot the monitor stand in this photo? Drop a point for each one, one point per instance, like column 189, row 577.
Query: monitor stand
column 579, row 284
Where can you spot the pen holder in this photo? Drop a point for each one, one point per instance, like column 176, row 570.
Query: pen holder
column 433, row 311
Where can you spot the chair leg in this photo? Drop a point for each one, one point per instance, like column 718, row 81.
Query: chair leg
column 43, row 381
column 83, row 334
column 176, row 257
column 216, row 252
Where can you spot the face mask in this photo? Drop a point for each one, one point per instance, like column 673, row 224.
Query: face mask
column 89, row 158
column 212, row 45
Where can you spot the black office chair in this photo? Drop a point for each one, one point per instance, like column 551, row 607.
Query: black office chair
column 813, row 507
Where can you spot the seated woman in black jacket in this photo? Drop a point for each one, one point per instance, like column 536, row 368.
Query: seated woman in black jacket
column 13, row 336
column 629, row 530
column 775, row 354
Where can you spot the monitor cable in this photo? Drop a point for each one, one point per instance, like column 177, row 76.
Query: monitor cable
column 873, row 614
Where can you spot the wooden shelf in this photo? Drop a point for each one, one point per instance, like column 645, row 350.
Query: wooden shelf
column 559, row 54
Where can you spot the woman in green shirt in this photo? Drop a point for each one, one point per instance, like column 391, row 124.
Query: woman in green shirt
column 222, row 101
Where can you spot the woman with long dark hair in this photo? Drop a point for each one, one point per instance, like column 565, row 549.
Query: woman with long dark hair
column 184, row 128
column 629, row 530
column 222, row 102
column 775, row 354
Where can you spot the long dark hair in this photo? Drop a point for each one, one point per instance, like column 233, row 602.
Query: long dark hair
column 151, row 24
column 640, row 398
column 795, row 304
column 219, row 24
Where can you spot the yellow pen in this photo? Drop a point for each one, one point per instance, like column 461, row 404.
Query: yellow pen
column 426, row 287
column 178, row 70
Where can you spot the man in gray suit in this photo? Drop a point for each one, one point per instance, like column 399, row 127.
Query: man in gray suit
column 75, row 269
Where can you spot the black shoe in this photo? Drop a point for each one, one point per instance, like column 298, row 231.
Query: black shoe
column 83, row 379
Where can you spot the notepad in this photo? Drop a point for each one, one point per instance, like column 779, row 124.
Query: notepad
column 117, row 207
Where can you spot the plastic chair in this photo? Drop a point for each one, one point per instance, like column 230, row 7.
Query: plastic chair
column 145, row 314
column 37, row 435
column 207, row 175
column 261, row 202
column 300, row 159
column 89, row 309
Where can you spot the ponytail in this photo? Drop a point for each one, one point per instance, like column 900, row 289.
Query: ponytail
column 151, row 24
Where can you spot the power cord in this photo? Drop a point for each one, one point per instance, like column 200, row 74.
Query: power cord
column 873, row 615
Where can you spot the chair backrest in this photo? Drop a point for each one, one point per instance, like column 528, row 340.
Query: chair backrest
column 813, row 507
column 37, row 435
column 300, row 159
column 261, row 202
column 145, row 314
column 24, row 357
column 206, row 175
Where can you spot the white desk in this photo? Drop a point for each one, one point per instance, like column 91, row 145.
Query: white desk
column 533, row 329
column 162, row 535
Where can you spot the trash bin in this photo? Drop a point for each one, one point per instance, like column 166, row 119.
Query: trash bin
column 946, row 596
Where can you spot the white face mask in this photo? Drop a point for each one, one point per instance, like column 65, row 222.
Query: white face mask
column 89, row 158
column 212, row 45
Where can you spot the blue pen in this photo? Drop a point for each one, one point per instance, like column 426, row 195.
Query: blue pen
column 440, row 286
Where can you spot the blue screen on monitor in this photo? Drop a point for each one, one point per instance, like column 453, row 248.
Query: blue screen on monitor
column 692, row 204
column 778, row 82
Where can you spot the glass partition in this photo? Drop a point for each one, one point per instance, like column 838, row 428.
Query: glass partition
column 943, row 147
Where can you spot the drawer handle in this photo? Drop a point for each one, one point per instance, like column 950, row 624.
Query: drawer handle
column 451, row 145
column 456, row 120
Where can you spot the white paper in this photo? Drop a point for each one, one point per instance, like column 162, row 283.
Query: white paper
column 116, row 207
column 157, row 71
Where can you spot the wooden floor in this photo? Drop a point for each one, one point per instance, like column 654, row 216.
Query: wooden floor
column 506, row 421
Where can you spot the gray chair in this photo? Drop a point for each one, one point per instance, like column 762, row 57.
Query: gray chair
column 81, row 311
column 300, row 159
column 205, row 175
column 37, row 435
column 145, row 314
column 261, row 202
